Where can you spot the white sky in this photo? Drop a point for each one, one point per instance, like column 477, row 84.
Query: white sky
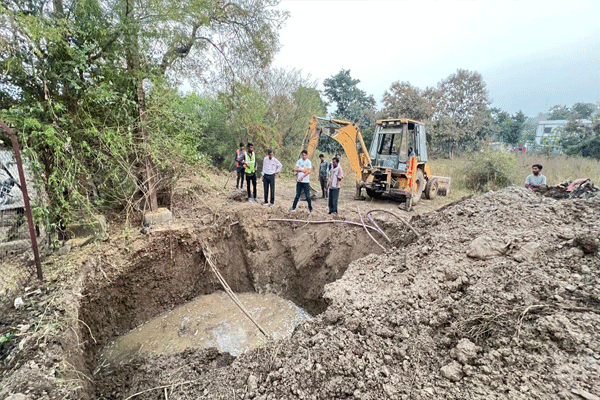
column 532, row 54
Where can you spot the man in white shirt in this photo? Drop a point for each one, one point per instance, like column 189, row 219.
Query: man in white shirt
column 303, row 168
column 270, row 168
column 536, row 181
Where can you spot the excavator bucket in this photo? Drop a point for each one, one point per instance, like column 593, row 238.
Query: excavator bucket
column 443, row 185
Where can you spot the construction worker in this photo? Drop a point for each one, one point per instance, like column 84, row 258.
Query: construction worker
column 250, row 170
column 270, row 168
column 324, row 169
column 536, row 180
column 303, row 168
column 239, row 159
column 335, row 177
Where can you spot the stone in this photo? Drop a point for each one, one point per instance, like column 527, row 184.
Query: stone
column 585, row 394
column 452, row 371
column 464, row 352
column 527, row 252
column 19, row 302
column 79, row 241
column 18, row 396
column 96, row 227
column 160, row 216
column 252, row 383
column 485, row 248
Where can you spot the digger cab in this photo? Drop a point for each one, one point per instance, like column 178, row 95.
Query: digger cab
column 396, row 141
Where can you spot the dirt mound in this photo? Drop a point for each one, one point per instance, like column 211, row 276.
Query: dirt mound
column 430, row 321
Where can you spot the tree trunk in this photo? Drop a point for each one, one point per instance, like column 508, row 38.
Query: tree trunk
column 133, row 64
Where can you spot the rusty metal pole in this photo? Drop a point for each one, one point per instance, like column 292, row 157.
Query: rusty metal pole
column 34, row 246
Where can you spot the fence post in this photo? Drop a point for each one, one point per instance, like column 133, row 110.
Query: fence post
column 15, row 144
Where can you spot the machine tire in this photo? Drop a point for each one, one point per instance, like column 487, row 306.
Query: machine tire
column 420, row 184
column 431, row 188
column 373, row 194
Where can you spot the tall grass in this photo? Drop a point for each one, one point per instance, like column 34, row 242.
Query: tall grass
column 557, row 169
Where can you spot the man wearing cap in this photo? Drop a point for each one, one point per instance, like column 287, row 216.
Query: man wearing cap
column 270, row 168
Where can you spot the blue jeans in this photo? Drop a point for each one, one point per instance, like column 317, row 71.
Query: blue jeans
column 302, row 186
column 334, row 195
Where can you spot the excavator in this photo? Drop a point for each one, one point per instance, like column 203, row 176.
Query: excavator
column 396, row 164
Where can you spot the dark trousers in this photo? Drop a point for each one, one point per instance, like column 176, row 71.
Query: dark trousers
column 323, row 182
column 301, row 186
column 240, row 178
column 334, row 195
column 251, row 178
column 269, row 182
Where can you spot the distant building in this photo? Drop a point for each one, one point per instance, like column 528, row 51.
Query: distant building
column 546, row 134
column 547, row 129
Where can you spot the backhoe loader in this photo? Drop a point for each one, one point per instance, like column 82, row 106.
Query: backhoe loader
column 396, row 164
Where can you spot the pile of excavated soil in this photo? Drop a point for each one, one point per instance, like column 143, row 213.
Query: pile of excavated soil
column 498, row 299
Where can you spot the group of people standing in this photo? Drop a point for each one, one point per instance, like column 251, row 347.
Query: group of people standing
column 330, row 176
column 246, row 167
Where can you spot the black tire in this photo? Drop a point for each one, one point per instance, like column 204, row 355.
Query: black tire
column 373, row 194
column 419, row 185
column 431, row 188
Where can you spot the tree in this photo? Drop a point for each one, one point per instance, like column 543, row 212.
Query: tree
column 584, row 110
column 461, row 119
column 76, row 76
column 353, row 104
column 510, row 127
column 404, row 100
column 559, row 112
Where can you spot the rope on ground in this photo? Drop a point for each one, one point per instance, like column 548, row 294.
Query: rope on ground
column 366, row 230
column 341, row 221
column 400, row 218
column 230, row 292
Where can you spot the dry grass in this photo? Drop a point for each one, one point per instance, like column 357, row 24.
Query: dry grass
column 557, row 169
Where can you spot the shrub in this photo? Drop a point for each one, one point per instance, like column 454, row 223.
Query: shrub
column 490, row 170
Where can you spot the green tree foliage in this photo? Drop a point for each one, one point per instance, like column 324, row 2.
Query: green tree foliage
column 75, row 77
column 490, row 170
column 461, row 118
column 403, row 100
column 584, row 110
column 455, row 112
column 511, row 127
column 271, row 110
column 352, row 103
column 578, row 139
column 559, row 112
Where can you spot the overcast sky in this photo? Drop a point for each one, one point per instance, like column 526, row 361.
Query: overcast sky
column 532, row 54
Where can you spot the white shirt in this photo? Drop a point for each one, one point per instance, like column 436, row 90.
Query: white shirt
column 271, row 166
column 302, row 164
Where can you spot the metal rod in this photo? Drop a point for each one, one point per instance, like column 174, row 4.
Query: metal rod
column 34, row 247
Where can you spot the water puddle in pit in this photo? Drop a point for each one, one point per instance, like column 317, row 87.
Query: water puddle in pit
column 208, row 321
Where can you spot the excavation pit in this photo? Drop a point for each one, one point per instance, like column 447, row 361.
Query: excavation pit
column 168, row 268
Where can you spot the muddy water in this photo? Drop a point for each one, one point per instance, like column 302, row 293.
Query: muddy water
column 208, row 321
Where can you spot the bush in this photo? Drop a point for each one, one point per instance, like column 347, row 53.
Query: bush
column 490, row 170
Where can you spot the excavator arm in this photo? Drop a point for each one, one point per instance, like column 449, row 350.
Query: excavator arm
column 345, row 133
